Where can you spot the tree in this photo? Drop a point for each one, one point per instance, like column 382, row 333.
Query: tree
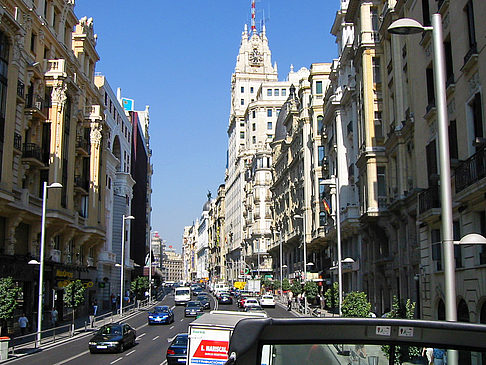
column 356, row 304
column 267, row 283
column 331, row 296
column 285, row 284
column 311, row 290
column 9, row 293
column 296, row 288
column 277, row 284
column 139, row 286
column 74, row 295
column 402, row 310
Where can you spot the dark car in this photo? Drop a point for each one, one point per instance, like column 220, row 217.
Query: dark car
column 196, row 291
column 193, row 309
column 161, row 314
column 113, row 337
column 204, row 300
column 225, row 299
column 177, row 351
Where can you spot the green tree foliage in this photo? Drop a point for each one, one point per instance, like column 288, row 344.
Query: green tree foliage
column 74, row 295
column 356, row 304
column 285, row 284
column 311, row 290
column 9, row 293
column 267, row 283
column 402, row 310
column 139, row 286
column 331, row 296
column 296, row 288
column 277, row 284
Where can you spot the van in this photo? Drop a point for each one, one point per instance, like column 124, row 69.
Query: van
column 182, row 295
column 220, row 287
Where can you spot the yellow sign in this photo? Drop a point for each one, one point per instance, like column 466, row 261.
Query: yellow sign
column 240, row 285
column 64, row 274
column 62, row 284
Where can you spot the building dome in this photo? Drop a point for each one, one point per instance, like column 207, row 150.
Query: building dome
column 207, row 206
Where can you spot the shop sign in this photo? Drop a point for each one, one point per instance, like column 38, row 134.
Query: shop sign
column 64, row 274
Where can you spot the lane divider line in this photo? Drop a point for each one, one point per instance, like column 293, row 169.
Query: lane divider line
column 114, row 361
column 156, row 337
column 72, row 357
column 131, row 352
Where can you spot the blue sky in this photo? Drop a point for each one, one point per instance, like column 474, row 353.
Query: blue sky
column 178, row 57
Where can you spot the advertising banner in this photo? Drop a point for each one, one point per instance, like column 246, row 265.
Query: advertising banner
column 209, row 347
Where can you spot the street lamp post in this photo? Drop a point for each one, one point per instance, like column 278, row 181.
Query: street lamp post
column 122, row 265
column 406, row 26
column 42, row 254
column 334, row 180
column 297, row 216
column 150, row 267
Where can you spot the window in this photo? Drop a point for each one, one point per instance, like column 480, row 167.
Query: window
column 318, row 87
column 269, row 112
column 456, row 229
column 376, row 70
column 321, row 154
column 269, row 92
column 322, row 219
column 448, row 62
column 276, row 92
column 269, row 125
column 242, row 89
column 284, row 92
column 429, row 74
column 477, row 112
column 269, row 136
column 425, row 13
column 242, row 135
column 242, row 102
column 253, row 127
column 253, row 114
column 278, row 111
column 378, row 124
column 471, row 31
column 453, row 149
column 320, row 124
column 33, row 40
column 375, row 22
column 253, row 139
column 431, row 159
column 380, row 170
column 251, row 89
column 436, row 248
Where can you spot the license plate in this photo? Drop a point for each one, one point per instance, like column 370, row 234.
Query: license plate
column 101, row 347
column 181, row 360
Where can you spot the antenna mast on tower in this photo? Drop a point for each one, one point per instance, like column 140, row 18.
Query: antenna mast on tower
column 253, row 26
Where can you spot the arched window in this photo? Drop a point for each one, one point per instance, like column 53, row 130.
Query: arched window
column 441, row 311
column 462, row 312
column 320, row 120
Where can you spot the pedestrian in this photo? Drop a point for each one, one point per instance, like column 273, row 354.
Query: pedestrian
column 54, row 315
column 95, row 307
column 427, row 352
column 113, row 302
column 438, row 356
column 23, row 323
column 322, row 301
column 289, row 301
column 91, row 311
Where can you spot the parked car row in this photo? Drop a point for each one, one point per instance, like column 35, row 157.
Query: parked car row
column 266, row 300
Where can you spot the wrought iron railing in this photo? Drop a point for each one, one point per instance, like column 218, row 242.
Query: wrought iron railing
column 429, row 199
column 82, row 143
column 81, row 182
column 17, row 141
column 20, row 89
column 31, row 150
column 471, row 170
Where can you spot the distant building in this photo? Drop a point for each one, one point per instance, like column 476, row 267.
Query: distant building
column 173, row 265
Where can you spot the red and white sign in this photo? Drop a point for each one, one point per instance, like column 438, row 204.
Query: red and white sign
column 209, row 349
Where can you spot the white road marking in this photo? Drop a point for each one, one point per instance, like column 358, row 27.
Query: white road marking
column 182, row 319
column 156, row 337
column 139, row 337
column 114, row 361
column 171, row 327
column 164, row 363
column 142, row 326
column 170, row 339
column 72, row 357
column 131, row 352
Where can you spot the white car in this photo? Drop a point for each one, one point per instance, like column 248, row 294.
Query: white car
column 267, row 301
column 251, row 302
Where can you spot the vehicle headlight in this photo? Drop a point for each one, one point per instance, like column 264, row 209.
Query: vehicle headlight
column 92, row 343
column 151, row 317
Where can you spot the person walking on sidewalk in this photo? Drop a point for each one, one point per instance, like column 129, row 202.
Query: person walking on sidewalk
column 23, row 323
column 91, row 313
column 95, row 307
column 54, row 315
column 289, row 300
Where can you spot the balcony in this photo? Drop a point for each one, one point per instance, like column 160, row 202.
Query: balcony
column 36, row 106
column 471, row 170
column 56, row 68
column 429, row 199
column 81, row 184
column 17, row 141
column 83, row 146
column 32, row 154
column 471, row 57
column 93, row 112
column 20, row 90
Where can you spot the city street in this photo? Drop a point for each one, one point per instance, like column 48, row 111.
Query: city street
column 152, row 341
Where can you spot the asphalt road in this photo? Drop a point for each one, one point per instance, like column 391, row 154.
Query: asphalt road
column 151, row 347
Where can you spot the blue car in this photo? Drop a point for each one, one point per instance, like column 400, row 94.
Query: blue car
column 161, row 314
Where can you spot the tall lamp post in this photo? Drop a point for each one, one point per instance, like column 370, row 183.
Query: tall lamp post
column 42, row 254
column 150, row 267
column 334, row 180
column 298, row 216
column 122, row 264
column 407, row 26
